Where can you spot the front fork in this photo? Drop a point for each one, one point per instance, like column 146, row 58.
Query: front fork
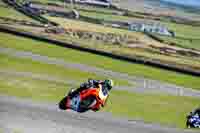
column 75, row 103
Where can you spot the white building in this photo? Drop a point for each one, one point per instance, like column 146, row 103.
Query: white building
column 151, row 28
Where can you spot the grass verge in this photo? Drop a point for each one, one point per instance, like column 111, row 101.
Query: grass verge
column 98, row 61
column 27, row 65
column 31, row 88
column 164, row 109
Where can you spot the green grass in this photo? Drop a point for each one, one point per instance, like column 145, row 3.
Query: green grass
column 99, row 61
column 162, row 109
column 185, row 43
column 49, row 1
column 85, row 26
column 178, row 60
column 108, row 17
column 185, row 31
column 27, row 65
column 76, row 25
column 32, row 88
column 181, row 30
column 77, row 6
column 122, row 49
column 9, row 12
column 189, row 34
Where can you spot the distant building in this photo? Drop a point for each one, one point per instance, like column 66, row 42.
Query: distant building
column 102, row 3
column 151, row 28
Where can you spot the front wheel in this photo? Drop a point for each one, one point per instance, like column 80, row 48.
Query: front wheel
column 189, row 125
column 62, row 103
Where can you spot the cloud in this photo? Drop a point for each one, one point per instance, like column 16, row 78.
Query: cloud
column 185, row 2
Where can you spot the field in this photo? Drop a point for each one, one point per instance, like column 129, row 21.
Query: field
column 110, row 14
column 185, row 34
column 103, row 62
column 122, row 48
column 181, row 30
column 79, row 25
column 181, row 42
column 164, row 109
column 138, row 38
column 8, row 12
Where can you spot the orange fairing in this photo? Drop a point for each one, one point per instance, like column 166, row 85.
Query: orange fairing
column 96, row 92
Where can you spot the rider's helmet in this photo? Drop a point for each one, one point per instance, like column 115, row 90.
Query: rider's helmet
column 109, row 83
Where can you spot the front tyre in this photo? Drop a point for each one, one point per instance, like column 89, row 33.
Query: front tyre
column 62, row 103
column 189, row 125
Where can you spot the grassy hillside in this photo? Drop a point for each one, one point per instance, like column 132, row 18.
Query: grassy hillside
column 181, row 42
column 186, row 36
column 181, row 30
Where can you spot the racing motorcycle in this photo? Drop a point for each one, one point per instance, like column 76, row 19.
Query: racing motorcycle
column 193, row 121
column 88, row 99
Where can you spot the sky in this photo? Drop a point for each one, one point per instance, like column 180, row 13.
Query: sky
column 186, row 2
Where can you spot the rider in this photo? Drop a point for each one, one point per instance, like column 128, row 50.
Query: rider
column 106, row 86
column 196, row 112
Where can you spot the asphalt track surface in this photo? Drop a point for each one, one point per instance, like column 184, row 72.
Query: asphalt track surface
column 24, row 116
column 140, row 84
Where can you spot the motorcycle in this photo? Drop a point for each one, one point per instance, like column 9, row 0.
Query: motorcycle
column 193, row 121
column 88, row 99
